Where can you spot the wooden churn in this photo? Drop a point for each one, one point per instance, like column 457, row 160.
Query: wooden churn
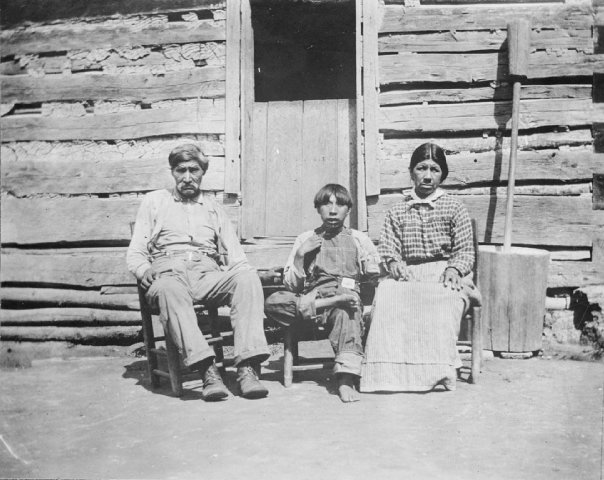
column 512, row 284
column 513, row 280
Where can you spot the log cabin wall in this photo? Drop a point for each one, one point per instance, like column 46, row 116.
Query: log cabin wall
column 94, row 97
column 443, row 77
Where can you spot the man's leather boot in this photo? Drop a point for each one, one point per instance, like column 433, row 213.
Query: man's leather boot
column 213, row 387
column 247, row 377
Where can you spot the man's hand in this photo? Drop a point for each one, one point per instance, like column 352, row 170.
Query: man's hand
column 148, row 277
column 451, row 279
column 400, row 271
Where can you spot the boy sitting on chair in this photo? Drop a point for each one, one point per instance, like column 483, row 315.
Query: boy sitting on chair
column 322, row 274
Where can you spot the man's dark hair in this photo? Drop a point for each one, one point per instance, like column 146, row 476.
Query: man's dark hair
column 186, row 152
column 342, row 196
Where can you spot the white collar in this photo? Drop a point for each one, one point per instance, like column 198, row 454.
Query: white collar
column 429, row 200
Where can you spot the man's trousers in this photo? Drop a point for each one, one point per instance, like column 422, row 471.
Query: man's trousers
column 185, row 279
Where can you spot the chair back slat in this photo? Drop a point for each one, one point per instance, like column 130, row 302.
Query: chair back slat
column 475, row 242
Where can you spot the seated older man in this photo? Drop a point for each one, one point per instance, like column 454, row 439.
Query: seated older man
column 184, row 249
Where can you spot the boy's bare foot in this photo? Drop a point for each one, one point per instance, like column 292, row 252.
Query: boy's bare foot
column 346, row 388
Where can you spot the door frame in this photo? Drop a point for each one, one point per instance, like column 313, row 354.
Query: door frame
column 239, row 105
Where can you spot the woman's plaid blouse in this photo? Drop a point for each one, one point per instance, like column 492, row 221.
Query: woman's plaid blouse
column 440, row 229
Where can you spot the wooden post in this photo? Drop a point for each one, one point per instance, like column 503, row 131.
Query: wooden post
column 518, row 46
column 370, row 96
column 232, row 168
column 358, row 218
column 247, row 106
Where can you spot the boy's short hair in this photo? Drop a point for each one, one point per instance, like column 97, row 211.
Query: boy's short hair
column 186, row 152
column 341, row 193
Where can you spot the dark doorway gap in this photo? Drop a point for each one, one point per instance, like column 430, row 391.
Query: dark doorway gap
column 304, row 51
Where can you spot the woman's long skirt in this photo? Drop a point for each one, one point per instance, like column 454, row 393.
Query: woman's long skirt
column 411, row 344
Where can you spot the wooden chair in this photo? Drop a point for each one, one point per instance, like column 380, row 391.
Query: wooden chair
column 208, row 321
column 474, row 318
column 293, row 363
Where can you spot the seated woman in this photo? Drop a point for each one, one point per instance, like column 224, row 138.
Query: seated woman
column 426, row 246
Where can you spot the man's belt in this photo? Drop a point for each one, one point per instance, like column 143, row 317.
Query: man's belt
column 187, row 253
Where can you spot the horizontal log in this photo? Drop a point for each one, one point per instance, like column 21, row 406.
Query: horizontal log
column 87, row 151
column 574, row 274
column 468, row 168
column 563, row 190
column 100, row 267
column 60, row 297
column 203, row 116
column 98, row 167
column 107, row 290
column 483, row 116
column 547, row 220
column 583, row 255
column 127, row 60
column 265, row 257
column 491, row 93
column 90, row 268
column 397, row 147
column 153, row 30
column 204, row 82
column 476, row 2
column 104, row 267
column 489, row 40
column 397, row 18
column 21, row 11
column 98, row 175
column 84, row 316
column 75, row 219
column 482, row 67
column 107, row 335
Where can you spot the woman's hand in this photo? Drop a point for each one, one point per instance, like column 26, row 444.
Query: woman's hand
column 400, row 271
column 451, row 278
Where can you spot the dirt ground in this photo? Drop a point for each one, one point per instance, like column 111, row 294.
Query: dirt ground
column 540, row 418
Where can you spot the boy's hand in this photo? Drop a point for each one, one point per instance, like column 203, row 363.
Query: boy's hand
column 310, row 244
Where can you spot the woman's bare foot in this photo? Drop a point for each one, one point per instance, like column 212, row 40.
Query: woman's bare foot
column 346, row 388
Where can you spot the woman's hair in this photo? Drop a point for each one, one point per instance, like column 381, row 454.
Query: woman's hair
column 186, row 152
column 430, row 151
column 342, row 196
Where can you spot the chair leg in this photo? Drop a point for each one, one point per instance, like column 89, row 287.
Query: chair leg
column 476, row 344
column 294, row 348
column 215, row 330
column 149, row 339
column 174, row 367
column 289, row 344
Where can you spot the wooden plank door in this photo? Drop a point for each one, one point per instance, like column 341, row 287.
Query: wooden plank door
column 298, row 147
column 289, row 150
